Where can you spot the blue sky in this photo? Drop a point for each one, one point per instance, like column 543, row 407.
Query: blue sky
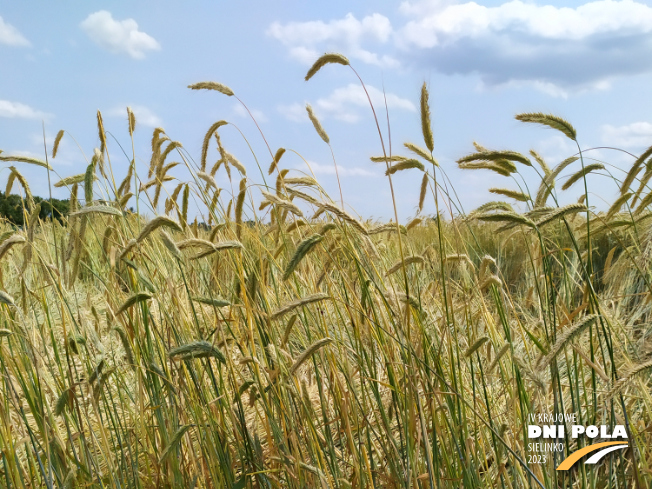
column 588, row 61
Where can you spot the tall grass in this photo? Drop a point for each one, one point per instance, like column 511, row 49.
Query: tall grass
column 292, row 344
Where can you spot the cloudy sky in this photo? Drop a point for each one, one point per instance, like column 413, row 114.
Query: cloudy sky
column 588, row 61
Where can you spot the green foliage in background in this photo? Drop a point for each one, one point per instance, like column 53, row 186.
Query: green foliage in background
column 12, row 208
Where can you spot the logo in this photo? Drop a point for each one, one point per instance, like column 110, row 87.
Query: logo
column 549, row 433
column 601, row 448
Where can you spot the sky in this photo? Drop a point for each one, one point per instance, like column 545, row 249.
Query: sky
column 588, row 61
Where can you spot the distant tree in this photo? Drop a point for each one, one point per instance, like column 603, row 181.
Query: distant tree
column 11, row 208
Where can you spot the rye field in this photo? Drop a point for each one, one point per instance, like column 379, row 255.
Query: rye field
column 171, row 333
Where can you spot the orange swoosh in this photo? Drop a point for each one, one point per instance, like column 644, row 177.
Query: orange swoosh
column 575, row 456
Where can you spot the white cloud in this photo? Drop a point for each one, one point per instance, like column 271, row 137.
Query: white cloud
column 556, row 149
column 470, row 20
column 293, row 112
column 542, row 86
column 240, row 111
column 424, row 8
column 342, row 103
column 346, row 104
column 17, row 110
column 11, row 36
column 144, row 116
column 28, row 154
column 554, row 48
column 343, row 171
column 307, row 40
column 634, row 135
column 68, row 153
column 118, row 36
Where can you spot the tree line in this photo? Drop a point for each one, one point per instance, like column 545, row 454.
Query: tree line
column 12, row 208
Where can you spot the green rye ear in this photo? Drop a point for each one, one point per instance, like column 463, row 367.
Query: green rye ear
column 302, row 250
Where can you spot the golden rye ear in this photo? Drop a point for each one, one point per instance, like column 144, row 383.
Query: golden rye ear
column 318, row 127
column 239, row 205
column 496, row 156
column 154, row 224
column 423, row 190
column 512, row 194
column 629, row 375
column 409, row 260
column 26, row 159
column 581, row 173
column 277, row 157
column 324, row 60
column 419, row 151
column 308, row 352
column 405, row 165
column 132, row 121
column 634, row 170
column 57, row 140
column 209, row 85
column 100, row 131
column 207, row 140
column 549, row 120
column 426, row 128
column 563, row 339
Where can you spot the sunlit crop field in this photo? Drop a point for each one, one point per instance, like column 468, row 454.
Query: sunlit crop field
column 276, row 339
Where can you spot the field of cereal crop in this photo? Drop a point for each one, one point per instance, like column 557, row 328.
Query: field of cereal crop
column 275, row 339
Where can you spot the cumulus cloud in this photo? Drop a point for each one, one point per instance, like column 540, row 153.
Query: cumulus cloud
column 553, row 89
column 118, row 36
column 68, row 153
column 293, row 112
column 554, row 48
column 634, row 135
column 555, row 149
column 557, row 50
column 423, row 8
column 306, row 41
column 144, row 116
column 347, row 104
column 16, row 110
column 10, row 36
